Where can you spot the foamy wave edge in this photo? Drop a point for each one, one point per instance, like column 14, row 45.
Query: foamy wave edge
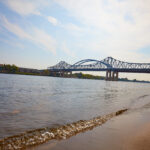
column 39, row 136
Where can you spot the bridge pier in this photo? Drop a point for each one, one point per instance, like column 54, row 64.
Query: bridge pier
column 111, row 75
column 108, row 75
column 70, row 75
column 115, row 76
column 62, row 74
column 106, row 78
column 65, row 73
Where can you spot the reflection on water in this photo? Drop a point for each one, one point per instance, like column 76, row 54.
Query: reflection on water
column 30, row 102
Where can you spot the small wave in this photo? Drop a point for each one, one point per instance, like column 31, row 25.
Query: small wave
column 146, row 105
column 139, row 102
column 6, row 114
column 42, row 135
column 143, row 96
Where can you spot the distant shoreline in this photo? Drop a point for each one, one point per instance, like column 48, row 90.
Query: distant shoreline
column 73, row 77
column 13, row 69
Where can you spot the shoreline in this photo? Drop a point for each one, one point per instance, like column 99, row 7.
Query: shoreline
column 39, row 75
column 43, row 135
column 129, row 131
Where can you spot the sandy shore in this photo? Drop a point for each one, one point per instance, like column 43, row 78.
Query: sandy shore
column 130, row 131
column 141, row 139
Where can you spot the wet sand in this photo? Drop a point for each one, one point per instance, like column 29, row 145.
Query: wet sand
column 141, row 140
column 42, row 135
column 129, row 131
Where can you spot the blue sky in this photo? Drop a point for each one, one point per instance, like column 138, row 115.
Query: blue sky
column 40, row 33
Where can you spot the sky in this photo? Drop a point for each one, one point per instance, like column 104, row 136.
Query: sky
column 40, row 33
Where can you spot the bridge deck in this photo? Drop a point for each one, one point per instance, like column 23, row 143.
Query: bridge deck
column 106, row 69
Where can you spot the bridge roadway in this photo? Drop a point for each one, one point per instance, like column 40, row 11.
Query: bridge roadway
column 109, row 64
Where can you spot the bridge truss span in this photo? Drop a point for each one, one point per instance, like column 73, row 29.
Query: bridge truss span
column 110, row 65
column 114, row 63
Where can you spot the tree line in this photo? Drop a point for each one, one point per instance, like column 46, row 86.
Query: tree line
column 8, row 68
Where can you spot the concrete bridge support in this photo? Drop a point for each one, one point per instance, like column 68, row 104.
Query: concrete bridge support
column 108, row 75
column 60, row 74
column 70, row 74
column 115, row 76
column 65, row 74
column 111, row 75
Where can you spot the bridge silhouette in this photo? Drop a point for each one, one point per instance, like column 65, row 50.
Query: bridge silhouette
column 110, row 65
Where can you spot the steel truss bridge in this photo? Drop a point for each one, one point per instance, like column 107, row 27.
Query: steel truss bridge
column 110, row 65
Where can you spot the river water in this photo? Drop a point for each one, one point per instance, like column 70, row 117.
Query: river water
column 32, row 102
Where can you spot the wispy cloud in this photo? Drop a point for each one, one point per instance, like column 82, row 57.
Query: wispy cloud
column 125, row 23
column 71, row 27
column 37, row 36
column 124, row 36
column 52, row 20
column 41, row 37
column 14, row 28
column 66, row 50
column 26, row 7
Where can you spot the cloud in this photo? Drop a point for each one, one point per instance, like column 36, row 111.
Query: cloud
column 119, row 27
column 72, row 28
column 66, row 50
column 122, row 26
column 15, row 29
column 37, row 36
column 52, row 20
column 28, row 7
column 40, row 36
column 25, row 7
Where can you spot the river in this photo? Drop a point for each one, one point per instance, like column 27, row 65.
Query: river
column 32, row 102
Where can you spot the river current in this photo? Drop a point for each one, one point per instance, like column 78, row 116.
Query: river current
column 32, row 102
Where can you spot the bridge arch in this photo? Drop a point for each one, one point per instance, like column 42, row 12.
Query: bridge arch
column 81, row 62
